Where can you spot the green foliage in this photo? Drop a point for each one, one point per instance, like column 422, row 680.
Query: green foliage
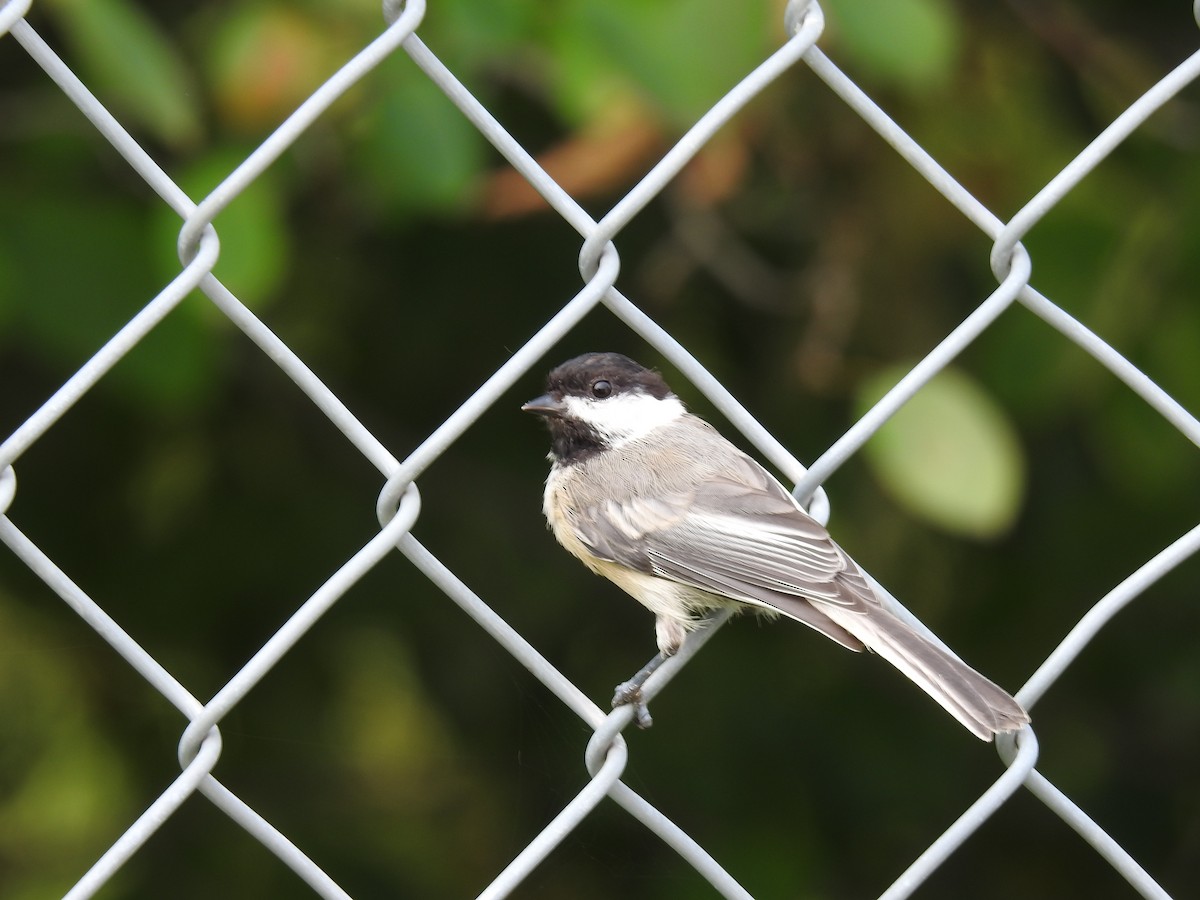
column 133, row 66
column 254, row 232
column 64, row 790
column 914, row 44
column 950, row 455
column 679, row 55
column 68, row 318
column 420, row 154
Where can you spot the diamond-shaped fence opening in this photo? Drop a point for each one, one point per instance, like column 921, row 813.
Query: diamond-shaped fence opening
column 370, row 665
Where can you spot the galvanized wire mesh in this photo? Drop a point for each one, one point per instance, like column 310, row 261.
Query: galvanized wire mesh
column 399, row 504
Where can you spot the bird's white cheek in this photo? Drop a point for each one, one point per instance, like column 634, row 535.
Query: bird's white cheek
column 624, row 417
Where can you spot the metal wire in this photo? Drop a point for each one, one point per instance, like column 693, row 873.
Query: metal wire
column 606, row 755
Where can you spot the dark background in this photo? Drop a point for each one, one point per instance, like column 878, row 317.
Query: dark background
column 200, row 498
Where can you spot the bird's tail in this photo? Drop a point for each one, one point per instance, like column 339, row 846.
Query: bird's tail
column 982, row 706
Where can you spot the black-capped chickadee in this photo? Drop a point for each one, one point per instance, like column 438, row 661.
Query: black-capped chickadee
column 654, row 499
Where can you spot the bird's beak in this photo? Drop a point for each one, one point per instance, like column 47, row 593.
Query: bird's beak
column 545, row 405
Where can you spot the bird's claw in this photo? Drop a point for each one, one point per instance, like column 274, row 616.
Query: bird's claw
column 629, row 693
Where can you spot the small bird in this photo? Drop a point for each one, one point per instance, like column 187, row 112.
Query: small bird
column 657, row 501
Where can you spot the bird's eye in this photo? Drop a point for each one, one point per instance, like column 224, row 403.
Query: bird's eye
column 601, row 389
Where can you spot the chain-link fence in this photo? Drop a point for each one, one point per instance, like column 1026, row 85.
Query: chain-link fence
column 399, row 506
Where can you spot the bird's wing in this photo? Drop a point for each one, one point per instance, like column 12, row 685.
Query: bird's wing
column 738, row 536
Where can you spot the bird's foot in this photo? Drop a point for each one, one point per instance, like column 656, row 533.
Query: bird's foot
column 629, row 693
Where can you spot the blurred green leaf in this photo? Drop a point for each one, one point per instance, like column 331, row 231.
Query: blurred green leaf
column 133, row 66
column 85, row 273
column 950, row 455
column 911, row 43
column 174, row 368
column 255, row 246
column 66, row 791
column 420, row 153
column 79, row 276
column 682, row 54
column 585, row 81
column 470, row 34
